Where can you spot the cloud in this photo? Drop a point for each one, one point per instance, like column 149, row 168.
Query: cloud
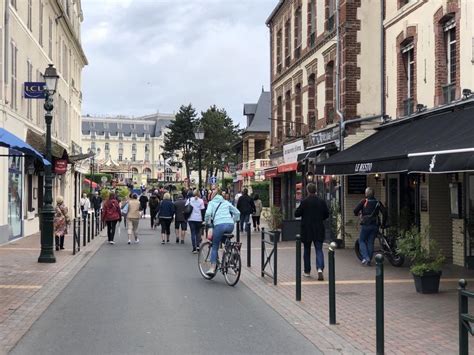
column 147, row 55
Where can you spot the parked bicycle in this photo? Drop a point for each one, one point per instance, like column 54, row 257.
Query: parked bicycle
column 229, row 263
column 387, row 245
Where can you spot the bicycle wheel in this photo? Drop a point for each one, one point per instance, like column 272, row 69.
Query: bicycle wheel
column 204, row 259
column 232, row 267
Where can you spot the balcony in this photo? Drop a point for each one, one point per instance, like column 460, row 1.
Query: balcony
column 449, row 93
column 408, row 106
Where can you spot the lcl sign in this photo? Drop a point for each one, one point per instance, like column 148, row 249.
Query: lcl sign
column 34, row 90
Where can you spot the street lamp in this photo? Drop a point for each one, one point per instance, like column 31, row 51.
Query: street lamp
column 47, row 214
column 92, row 171
column 199, row 135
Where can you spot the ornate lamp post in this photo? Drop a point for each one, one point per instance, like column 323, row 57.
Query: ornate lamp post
column 47, row 214
column 199, row 135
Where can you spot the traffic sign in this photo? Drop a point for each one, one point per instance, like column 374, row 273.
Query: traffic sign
column 213, row 180
column 104, row 179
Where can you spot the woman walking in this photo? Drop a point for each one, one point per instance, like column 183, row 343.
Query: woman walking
column 133, row 217
column 154, row 204
column 195, row 219
column 257, row 213
column 60, row 221
column 165, row 214
column 111, row 215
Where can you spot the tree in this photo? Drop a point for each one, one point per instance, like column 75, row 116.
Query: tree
column 180, row 136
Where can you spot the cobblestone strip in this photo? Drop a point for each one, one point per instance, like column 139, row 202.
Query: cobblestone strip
column 20, row 321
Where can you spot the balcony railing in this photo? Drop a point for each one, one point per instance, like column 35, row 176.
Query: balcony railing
column 449, row 93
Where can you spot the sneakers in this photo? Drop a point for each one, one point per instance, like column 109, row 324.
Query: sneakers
column 162, row 242
column 306, row 274
column 197, row 248
column 177, row 240
column 182, row 242
column 112, row 242
column 211, row 272
column 167, row 240
column 320, row 275
column 129, row 242
column 137, row 241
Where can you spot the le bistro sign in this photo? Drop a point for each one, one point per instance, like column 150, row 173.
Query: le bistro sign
column 60, row 166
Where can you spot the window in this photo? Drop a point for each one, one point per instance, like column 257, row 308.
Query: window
column 93, row 146
column 330, row 92
column 50, row 39
column 278, row 50
column 288, row 119
column 287, row 43
column 65, row 67
column 298, row 29
column 312, row 23
column 40, row 32
column 120, row 157
column 134, row 147
column 134, row 157
column 298, row 110
column 409, row 65
column 119, row 125
column 107, row 147
column 120, row 147
column 30, row 193
column 106, row 125
column 29, row 19
column 331, row 17
column 29, row 103
column 14, row 56
column 312, row 101
column 147, row 148
column 449, row 90
column 279, row 119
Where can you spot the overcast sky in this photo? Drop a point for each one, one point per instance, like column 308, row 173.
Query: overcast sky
column 154, row 55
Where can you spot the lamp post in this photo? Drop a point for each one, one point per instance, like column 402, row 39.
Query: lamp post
column 47, row 214
column 199, row 135
column 92, row 173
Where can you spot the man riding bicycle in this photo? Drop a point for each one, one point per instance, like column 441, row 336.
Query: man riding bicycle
column 368, row 211
column 221, row 215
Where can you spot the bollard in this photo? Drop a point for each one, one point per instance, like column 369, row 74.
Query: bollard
column 298, row 267
column 263, row 252
column 379, row 304
column 249, row 245
column 78, row 236
column 332, row 284
column 238, row 232
column 463, row 309
column 93, row 225
column 84, row 232
column 74, row 236
column 88, row 229
column 275, row 260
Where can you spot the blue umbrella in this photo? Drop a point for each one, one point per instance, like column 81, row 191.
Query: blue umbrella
column 9, row 140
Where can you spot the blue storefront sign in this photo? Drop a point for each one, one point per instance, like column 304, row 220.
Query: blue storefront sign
column 34, row 90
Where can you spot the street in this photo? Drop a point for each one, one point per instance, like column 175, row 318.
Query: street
column 150, row 299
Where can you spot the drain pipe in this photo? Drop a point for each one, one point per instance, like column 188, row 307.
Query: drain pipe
column 382, row 59
column 6, row 45
column 341, row 120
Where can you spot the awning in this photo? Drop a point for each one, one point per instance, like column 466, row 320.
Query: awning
column 79, row 157
column 270, row 173
column 310, row 153
column 9, row 140
column 38, row 141
column 88, row 182
column 430, row 142
column 285, row 168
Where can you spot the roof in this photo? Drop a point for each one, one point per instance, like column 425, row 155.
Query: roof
column 440, row 141
column 258, row 114
column 275, row 11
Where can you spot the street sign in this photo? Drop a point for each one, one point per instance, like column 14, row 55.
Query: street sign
column 34, row 90
column 104, row 179
column 213, row 180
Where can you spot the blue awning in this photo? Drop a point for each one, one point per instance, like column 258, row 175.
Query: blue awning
column 9, row 140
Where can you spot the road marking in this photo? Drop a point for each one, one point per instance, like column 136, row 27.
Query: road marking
column 360, row 282
column 26, row 287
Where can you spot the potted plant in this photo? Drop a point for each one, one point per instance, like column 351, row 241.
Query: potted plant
column 274, row 218
column 426, row 259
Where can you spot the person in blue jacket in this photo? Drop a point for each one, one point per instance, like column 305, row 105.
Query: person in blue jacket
column 222, row 215
column 165, row 215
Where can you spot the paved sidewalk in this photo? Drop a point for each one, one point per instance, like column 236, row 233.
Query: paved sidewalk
column 414, row 323
column 27, row 287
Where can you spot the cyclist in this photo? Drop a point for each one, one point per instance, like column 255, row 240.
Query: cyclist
column 221, row 215
column 368, row 211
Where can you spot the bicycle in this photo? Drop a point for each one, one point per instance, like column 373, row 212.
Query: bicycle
column 231, row 265
column 388, row 247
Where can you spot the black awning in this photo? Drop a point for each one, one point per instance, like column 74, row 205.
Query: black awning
column 310, row 153
column 397, row 146
column 79, row 157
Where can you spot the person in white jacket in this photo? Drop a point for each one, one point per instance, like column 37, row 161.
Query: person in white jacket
column 85, row 205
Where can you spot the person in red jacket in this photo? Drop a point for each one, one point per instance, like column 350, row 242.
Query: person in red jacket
column 111, row 215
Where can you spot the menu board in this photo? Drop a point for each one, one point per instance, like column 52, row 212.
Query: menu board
column 356, row 184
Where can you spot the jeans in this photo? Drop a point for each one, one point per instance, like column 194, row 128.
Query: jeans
column 111, row 230
column 218, row 237
column 84, row 214
column 318, row 246
column 244, row 218
column 195, row 228
column 366, row 241
column 256, row 221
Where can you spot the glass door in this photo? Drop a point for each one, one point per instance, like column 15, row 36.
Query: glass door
column 15, row 194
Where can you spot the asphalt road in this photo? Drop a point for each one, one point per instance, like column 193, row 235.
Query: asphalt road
column 151, row 299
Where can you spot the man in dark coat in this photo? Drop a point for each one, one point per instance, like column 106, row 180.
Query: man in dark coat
column 246, row 207
column 154, row 205
column 313, row 211
column 143, row 203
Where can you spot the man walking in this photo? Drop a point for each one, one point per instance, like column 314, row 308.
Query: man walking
column 85, row 206
column 246, row 207
column 180, row 224
column 368, row 210
column 313, row 211
column 143, row 202
column 96, row 203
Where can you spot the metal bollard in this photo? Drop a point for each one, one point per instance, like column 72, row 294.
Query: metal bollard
column 84, row 232
column 379, row 307
column 78, row 236
column 93, row 225
column 74, row 235
column 249, row 245
column 463, row 309
column 298, row 267
column 275, row 260
column 332, row 284
column 238, row 232
column 88, row 229
column 262, row 252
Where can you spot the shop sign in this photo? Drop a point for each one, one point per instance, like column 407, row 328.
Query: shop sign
column 326, row 136
column 34, row 90
column 60, row 166
column 291, row 151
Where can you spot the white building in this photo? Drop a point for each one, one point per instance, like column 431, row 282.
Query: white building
column 35, row 33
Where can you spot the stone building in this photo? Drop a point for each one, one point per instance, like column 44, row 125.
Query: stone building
column 34, row 34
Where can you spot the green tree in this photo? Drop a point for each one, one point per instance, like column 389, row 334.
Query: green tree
column 181, row 136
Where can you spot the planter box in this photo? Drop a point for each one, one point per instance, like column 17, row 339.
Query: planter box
column 277, row 236
column 428, row 283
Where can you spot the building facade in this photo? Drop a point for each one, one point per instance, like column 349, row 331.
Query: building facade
column 33, row 35
column 131, row 148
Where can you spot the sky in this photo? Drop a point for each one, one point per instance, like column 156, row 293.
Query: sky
column 148, row 56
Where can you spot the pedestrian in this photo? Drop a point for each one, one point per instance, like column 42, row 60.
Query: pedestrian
column 61, row 221
column 257, row 213
column 133, row 217
column 221, row 216
column 313, row 212
column 96, row 203
column 154, row 204
column 165, row 215
column 180, row 224
column 143, row 203
column 85, row 205
column 195, row 220
column 236, row 198
column 368, row 211
column 246, row 207
column 111, row 214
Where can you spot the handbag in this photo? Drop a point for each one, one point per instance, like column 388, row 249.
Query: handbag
column 188, row 210
column 124, row 210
